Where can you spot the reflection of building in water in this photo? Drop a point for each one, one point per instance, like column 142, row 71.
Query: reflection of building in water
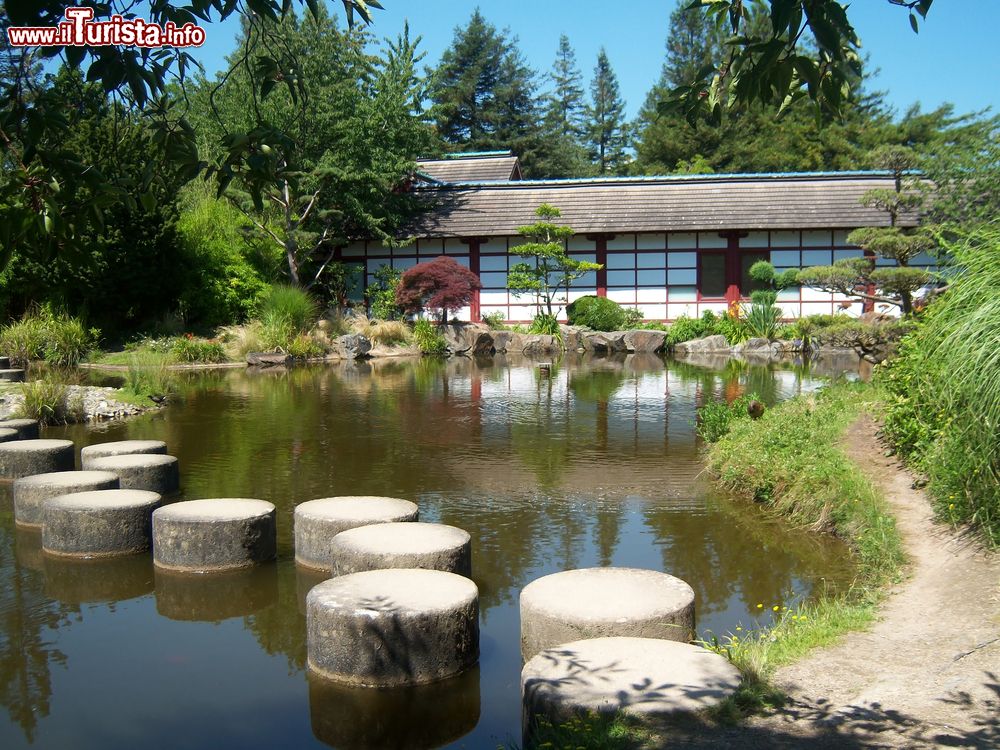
column 412, row 718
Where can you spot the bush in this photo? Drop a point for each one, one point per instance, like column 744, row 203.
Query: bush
column 289, row 303
column 225, row 276
column 427, row 337
column 763, row 316
column 45, row 401
column 687, row 329
column 388, row 332
column 495, row 321
column 597, row 313
column 304, row 346
column 943, row 389
column 716, row 417
column 190, row 349
column 58, row 339
column 545, row 324
column 382, row 294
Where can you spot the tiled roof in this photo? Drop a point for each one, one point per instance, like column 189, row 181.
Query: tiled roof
column 819, row 200
column 490, row 166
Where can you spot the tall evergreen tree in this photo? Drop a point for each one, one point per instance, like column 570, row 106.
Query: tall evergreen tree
column 483, row 94
column 607, row 131
column 564, row 154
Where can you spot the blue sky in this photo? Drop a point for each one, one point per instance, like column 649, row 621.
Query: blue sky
column 955, row 57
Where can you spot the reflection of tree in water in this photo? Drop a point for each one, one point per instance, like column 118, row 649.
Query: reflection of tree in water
column 281, row 627
column 26, row 652
column 742, row 554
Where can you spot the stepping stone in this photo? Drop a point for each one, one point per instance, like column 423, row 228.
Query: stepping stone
column 101, row 523
column 388, row 628
column 598, row 602
column 27, row 429
column 23, row 458
column 647, row 679
column 15, row 375
column 317, row 522
column 76, row 580
column 30, row 493
column 8, row 433
column 213, row 535
column 431, row 546
column 120, row 448
column 416, row 717
column 216, row 597
column 144, row 471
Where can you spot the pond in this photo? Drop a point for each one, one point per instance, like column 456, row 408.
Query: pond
column 595, row 463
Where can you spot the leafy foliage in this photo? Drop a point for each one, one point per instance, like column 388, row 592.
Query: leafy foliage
column 428, row 338
column 382, row 294
column 551, row 269
column 772, row 64
column 440, row 284
column 715, row 417
column 597, row 313
column 58, row 339
column 189, row 349
column 565, row 119
column 944, row 389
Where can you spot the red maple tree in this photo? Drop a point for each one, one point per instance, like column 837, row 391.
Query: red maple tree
column 439, row 284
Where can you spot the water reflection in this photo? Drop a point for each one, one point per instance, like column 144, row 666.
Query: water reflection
column 213, row 597
column 596, row 462
column 112, row 579
column 412, row 718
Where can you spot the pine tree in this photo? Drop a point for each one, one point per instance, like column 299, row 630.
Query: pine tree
column 608, row 133
column 563, row 153
column 483, row 94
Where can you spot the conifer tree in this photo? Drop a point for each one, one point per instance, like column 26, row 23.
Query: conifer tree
column 483, row 94
column 608, row 133
column 564, row 154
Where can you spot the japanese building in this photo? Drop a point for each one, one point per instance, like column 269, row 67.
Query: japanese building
column 670, row 246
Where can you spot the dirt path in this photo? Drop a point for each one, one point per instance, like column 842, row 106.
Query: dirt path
column 928, row 673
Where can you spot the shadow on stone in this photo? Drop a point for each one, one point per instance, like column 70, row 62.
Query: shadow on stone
column 109, row 579
column 212, row 597
column 409, row 718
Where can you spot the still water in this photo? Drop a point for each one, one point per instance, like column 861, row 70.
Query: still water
column 595, row 464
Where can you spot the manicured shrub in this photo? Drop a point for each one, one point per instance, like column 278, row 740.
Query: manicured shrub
column 596, row 313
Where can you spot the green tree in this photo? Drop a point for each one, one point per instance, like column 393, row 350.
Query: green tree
column 551, row 270
column 607, row 131
column 39, row 183
column 564, row 122
column 332, row 150
column 857, row 277
column 483, row 94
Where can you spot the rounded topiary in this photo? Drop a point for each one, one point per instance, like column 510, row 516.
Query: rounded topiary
column 597, row 313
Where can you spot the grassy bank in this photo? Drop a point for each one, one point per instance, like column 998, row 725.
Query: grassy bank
column 791, row 461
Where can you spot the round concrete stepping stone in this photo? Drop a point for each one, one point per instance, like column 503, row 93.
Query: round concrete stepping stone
column 30, row 493
column 27, row 429
column 416, row 717
column 211, row 535
column 7, row 434
column 75, row 580
column 14, row 375
column 387, row 628
column 597, row 602
column 317, row 522
column 101, row 523
column 23, row 458
column 121, row 448
column 144, row 471
column 216, row 597
column 431, row 546
column 648, row 679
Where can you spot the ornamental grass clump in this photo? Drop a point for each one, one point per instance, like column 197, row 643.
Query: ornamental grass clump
column 943, row 389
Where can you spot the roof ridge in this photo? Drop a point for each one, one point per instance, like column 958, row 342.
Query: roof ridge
column 722, row 177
